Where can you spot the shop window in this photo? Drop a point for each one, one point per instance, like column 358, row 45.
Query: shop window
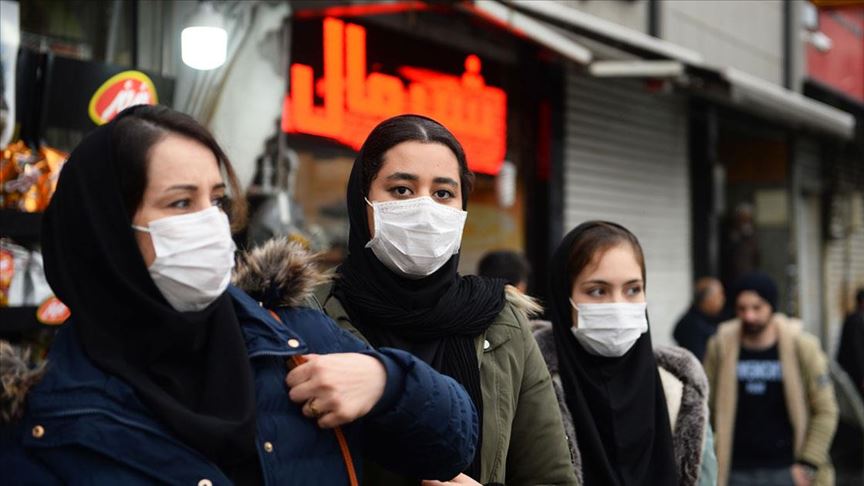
column 88, row 30
column 756, row 231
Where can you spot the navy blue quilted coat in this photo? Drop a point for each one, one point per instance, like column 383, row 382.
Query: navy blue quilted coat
column 83, row 426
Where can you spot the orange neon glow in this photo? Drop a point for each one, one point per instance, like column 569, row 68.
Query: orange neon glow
column 365, row 9
column 354, row 101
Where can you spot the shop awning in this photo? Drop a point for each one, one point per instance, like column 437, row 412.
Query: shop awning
column 540, row 32
column 603, row 30
column 774, row 101
column 549, row 22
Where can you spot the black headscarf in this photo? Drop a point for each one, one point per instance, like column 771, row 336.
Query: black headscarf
column 436, row 317
column 617, row 404
column 190, row 369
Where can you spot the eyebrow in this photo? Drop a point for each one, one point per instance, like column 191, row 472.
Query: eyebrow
column 402, row 176
column 193, row 187
column 603, row 282
column 405, row 176
column 445, row 180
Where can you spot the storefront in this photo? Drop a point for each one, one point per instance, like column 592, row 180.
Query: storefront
column 762, row 192
column 55, row 92
column 835, row 76
column 709, row 165
column 349, row 73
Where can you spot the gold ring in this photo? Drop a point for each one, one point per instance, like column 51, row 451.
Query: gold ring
column 312, row 408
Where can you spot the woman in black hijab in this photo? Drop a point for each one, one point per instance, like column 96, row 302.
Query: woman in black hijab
column 399, row 287
column 166, row 374
column 614, row 386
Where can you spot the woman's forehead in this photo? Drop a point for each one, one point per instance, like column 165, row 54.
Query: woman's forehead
column 613, row 264
column 420, row 159
column 176, row 160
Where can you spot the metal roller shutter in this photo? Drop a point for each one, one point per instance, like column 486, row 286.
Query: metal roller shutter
column 844, row 270
column 626, row 161
column 809, row 230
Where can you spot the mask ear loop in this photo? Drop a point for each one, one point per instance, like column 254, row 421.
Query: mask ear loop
column 141, row 228
column 575, row 323
column 372, row 236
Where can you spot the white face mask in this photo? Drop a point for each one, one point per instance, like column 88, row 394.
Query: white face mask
column 194, row 257
column 415, row 237
column 609, row 329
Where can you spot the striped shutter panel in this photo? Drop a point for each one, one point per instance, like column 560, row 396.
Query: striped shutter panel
column 809, row 235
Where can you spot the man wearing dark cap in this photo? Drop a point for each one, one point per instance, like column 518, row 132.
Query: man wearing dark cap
column 772, row 402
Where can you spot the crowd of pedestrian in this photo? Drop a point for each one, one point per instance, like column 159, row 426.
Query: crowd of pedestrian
column 183, row 365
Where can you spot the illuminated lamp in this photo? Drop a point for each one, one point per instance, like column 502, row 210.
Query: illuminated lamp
column 204, row 41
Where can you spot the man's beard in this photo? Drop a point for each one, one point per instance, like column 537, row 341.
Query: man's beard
column 753, row 329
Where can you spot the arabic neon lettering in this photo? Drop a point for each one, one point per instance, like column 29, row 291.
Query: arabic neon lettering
column 354, row 100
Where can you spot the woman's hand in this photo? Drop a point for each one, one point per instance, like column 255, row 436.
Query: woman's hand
column 337, row 388
column 460, row 479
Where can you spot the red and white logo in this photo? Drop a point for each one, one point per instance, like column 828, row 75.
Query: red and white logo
column 121, row 91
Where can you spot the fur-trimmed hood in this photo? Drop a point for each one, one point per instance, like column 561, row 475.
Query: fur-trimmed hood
column 522, row 302
column 280, row 273
column 686, row 389
column 17, row 376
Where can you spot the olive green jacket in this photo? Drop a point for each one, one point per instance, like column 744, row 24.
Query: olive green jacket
column 523, row 436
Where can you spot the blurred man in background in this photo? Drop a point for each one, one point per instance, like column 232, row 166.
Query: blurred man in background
column 700, row 322
column 506, row 264
column 772, row 402
column 847, row 451
column 850, row 355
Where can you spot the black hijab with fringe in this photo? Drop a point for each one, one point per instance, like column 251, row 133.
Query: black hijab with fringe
column 190, row 369
column 436, row 318
column 618, row 405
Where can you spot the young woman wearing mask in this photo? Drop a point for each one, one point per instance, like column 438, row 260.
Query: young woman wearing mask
column 635, row 416
column 166, row 374
column 399, row 287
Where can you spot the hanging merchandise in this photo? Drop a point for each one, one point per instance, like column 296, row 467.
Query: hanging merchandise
column 7, row 270
column 23, row 280
column 28, row 178
column 58, row 100
column 274, row 209
column 23, row 284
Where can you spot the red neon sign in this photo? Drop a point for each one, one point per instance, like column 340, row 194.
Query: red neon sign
column 355, row 100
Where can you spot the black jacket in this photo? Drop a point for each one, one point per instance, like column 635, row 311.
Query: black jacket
column 693, row 331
